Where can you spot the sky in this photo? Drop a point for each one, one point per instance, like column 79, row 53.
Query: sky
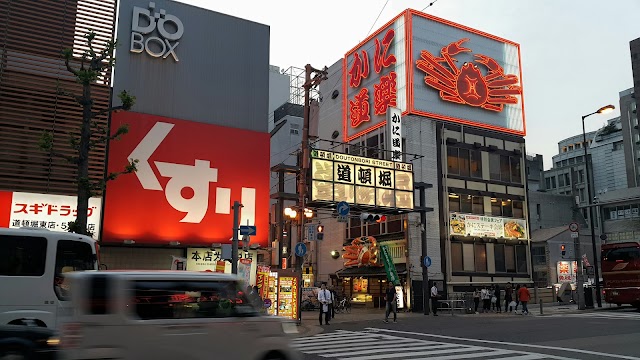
column 575, row 53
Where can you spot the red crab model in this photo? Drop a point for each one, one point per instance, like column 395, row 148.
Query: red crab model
column 363, row 251
column 467, row 85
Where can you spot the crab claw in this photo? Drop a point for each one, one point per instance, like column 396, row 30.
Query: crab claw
column 490, row 63
column 454, row 48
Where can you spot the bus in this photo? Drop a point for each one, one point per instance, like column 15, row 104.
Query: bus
column 32, row 263
column 621, row 273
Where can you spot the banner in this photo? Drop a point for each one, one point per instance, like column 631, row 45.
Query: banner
column 489, row 226
column 263, row 281
column 389, row 267
column 178, row 263
column 244, row 270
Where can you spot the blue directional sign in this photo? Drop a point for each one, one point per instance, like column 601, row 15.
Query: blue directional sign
column 426, row 261
column 343, row 208
column 300, row 249
column 247, row 230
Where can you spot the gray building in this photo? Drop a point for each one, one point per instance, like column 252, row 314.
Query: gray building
column 534, row 169
column 620, row 214
column 630, row 135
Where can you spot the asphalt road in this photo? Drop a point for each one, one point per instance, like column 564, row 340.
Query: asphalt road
column 590, row 335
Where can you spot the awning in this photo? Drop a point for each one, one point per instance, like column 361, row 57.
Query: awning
column 369, row 271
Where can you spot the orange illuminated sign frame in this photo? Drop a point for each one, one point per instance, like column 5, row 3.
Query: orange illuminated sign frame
column 491, row 91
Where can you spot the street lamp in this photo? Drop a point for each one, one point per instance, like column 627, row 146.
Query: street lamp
column 602, row 110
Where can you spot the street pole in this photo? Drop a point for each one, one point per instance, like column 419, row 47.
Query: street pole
column 234, row 246
column 426, row 292
column 579, row 285
column 591, row 222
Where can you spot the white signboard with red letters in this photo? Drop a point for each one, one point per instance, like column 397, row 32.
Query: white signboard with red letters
column 47, row 211
column 567, row 271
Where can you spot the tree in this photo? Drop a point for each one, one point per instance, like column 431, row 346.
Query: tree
column 92, row 65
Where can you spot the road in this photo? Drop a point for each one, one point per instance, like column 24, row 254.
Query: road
column 589, row 335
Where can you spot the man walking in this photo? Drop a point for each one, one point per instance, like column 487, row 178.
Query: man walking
column 390, row 297
column 324, row 297
column 524, row 296
column 434, row 299
column 508, row 297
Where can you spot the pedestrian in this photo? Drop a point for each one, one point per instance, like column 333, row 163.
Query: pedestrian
column 508, row 297
column 324, row 297
column 390, row 297
column 434, row 299
column 517, row 297
column 497, row 295
column 524, row 295
column 492, row 296
column 476, row 299
column 333, row 303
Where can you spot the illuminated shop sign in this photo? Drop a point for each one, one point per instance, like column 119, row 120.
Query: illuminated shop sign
column 439, row 69
column 489, row 226
column 361, row 181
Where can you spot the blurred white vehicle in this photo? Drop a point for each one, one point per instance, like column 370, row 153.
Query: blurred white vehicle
column 169, row 315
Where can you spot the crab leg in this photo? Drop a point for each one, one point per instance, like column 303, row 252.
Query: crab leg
column 508, row 80
column 429, row 63
column 453, row 49
column 444, row 90
column 504, row 100
column 492, row 107
column 501, row 92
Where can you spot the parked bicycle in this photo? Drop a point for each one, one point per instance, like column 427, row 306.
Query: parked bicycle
column 343, row 305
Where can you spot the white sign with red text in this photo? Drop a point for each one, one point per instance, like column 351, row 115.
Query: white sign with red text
column 567, row 271
column 47, row 211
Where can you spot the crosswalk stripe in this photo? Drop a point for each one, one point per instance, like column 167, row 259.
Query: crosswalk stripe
column 387, row 348
column 333, row 348
column 344, row 337
column 489, row 355
column 628, row 316
column 418, row 353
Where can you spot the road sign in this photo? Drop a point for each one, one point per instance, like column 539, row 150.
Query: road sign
column 343, row 208
column 342, row 219
column 574, row 235
column 247, row 230
column 300, row 249
column 573, row 227
column 312, row 232
column 426, row 261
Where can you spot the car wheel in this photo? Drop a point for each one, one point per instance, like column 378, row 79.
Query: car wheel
column 14, row 354
column 274, row 355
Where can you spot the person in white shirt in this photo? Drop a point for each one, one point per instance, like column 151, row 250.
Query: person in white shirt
column 434, row 299
column 324, row 297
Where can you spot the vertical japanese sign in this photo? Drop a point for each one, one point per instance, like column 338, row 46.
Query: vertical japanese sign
column 567, row 271
column 394, row 133
column 373, row 77
column 263, row 281
column 389, row 267
column 244, row 270
column 288, row 297
column 47, row 211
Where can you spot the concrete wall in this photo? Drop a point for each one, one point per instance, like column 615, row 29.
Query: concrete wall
column 547, row 210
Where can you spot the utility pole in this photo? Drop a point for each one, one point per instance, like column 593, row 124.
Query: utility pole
column 579, row 286
column 234, row 246
column 426, row 292
column 313, row 77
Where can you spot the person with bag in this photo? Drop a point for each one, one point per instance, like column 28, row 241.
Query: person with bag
column 524, row 296
column 497, row 296
column 476, row 299
column 390, row 297
column 324, row 297
column 508, row 298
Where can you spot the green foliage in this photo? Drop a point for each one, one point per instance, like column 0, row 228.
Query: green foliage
column 127, row 99
column 46, row 141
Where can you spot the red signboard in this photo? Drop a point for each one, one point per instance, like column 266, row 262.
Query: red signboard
column 189, row 174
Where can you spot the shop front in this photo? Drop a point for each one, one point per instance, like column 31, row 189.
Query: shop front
column 366, row 286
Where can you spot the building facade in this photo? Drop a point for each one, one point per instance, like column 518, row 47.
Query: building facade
column 630, row 135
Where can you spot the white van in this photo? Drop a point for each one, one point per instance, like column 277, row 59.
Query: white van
column 32, row 264
column 169, row 315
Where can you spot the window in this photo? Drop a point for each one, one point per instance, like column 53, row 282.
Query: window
column 580, row 176
column 496, row 207
column 480, row 251
column 190, row 299
column 456, row 256
column 538, row 255
column 572, row 161
column 571, row 147
column 564, row 149
column 71, row 256
column 22, row 256
column 464, row 162
column 510, row 259
column 466, row 204
column 560, row 180
column 518, row 212
column 499, row 258
column 475, row 163
column 581, row 194
column 558, row 164
column 565, row 162
column 579, row 146
column 547, row 183
column 507, row 209
column 617, row 146
column 579, row 159
column 567, row 179
column 553, row 182
column 521, row 259
column 505, row 168
column 621, row 254
column 538, row 210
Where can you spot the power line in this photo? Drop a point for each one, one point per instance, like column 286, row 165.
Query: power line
column 374, row 23
column 430, row 4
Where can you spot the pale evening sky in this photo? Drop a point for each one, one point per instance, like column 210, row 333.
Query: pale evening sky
column 575, row 53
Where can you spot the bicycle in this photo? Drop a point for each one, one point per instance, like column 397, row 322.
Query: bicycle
column 344, row 305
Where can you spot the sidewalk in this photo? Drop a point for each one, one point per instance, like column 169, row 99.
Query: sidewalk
column 310, row 324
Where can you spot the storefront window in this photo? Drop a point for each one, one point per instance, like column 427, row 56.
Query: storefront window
column 480, row 257
column 465, row 203
column 494, row 167
column 456, row 256
column 499, row 258
column 464, row 161
column 453, row 166
column 360, row 286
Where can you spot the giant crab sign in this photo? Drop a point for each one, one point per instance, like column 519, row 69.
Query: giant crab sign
column 467, row 85
column 363, row 251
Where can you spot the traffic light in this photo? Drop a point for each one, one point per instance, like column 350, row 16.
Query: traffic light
column 563, row 250
column 369, row 218
column 320, row 233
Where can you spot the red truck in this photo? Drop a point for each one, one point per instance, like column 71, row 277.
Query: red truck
column 621, row 273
